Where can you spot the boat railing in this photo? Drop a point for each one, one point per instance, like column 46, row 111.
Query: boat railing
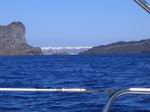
column 115, row 95
column 144, row 4
column 63, row 90
column 112, row 98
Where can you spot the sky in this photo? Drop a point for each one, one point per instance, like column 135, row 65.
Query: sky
column 77, row 22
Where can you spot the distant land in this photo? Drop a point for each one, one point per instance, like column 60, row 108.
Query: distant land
column 63, row 50
column 13, row 41
column 130, row 47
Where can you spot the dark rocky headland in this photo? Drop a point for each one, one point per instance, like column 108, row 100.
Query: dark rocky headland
column 131, row 47
column 13, row 41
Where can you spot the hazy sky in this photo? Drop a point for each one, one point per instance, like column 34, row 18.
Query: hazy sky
column 77, row 22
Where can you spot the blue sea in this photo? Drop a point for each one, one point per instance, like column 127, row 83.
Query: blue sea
column 91, row 72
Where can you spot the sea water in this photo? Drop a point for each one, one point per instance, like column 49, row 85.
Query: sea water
column 91, row 72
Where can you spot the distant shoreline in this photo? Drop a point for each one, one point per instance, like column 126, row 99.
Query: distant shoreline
column 122, row 47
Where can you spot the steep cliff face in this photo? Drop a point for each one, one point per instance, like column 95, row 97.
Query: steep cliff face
column 13, row 41
column 131, row 47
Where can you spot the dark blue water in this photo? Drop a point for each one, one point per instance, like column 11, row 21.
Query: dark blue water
column 114, row 72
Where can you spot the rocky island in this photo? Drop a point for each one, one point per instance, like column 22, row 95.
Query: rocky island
column 130, row 47
column 13, row 41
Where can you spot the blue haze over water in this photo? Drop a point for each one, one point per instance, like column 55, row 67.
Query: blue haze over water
column 95, row 72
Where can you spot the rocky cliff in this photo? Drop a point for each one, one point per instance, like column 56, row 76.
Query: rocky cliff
column 13, row 41
column 131, row 47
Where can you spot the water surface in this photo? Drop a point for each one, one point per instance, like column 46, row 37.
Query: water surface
column 114, row 72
